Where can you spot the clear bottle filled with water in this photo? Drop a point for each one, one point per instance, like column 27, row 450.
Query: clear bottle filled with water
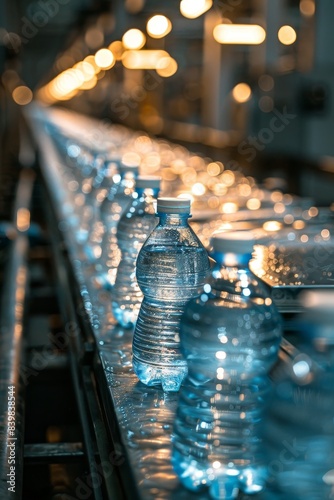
column 134, row 227
column 112, row 209
column 230, row 337
column 172, row 267
column 106, row 186
column 90, row 188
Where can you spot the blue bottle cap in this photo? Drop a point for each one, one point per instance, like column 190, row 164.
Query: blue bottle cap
column 239, row 242
column 128, row 168
column 173, row 205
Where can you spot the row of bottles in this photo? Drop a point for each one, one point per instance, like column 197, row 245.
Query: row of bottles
column 112, row 209
column 215, row 333
column 134, row 226
column 204, row 325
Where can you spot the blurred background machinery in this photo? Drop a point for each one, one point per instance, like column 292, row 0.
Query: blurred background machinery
column 248, row 81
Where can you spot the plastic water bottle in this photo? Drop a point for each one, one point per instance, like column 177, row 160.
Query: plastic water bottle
column 90, row 189
column 112, row 210
column 171, row 268
column 299, row 429
column 108, row 180
column 135, row 225
column 230, row 337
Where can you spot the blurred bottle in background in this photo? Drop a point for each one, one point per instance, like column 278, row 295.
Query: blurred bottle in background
column 135, row 225
column 299, row 429
column 108, row 178
column 230, row 337
column 112, row 209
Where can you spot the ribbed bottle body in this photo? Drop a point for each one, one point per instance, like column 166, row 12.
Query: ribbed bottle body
column 132, row 231
column 171, row 268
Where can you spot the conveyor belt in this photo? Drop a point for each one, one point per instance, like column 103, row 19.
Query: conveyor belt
column 132, row 422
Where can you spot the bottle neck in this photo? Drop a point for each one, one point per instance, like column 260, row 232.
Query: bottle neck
column 232, row 275
column 229, row 259
column 127, row 175
column 173, row 219
column 146, row 193
column 127, row 181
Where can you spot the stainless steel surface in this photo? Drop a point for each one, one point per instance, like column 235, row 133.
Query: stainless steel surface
column 291, row 268
column 11, row 339
column 49, row 452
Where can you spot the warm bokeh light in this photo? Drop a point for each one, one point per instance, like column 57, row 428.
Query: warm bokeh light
column 198, row 189
column 131, row 158
column 133, row 39
column 104, row 59
column 241, row 92
column 325, row 234
column 229, row 208
column 288, row 219
column 194, row 8
column 253, row 204
column 143, row 59
column 89, row 84
column 158, row 26
column 100, row 75
column 213, row 169
column 117, row 49
column 86, row 69
column 272, row 226
column 244, row 190
column 22, row 95
column 69, row 80
column 313, row 211
column 287, row 35
column 248, row 34
column 166, row 66
column 91, row 60
column 23, row 219
column 298, row 224
column 276, row 196
column 279, row 208
column 64, row 86
column 228, row 177
column 307, row 8
column 134, row 6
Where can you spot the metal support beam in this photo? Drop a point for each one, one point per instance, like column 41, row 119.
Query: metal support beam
column 11, row 356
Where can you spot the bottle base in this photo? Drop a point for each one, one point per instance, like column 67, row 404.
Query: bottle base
column 170, row 378
column 224, row 483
